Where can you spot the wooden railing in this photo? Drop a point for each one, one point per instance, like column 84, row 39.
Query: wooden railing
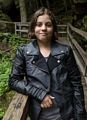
column 18, row 107
column 22, row 29
column 80, row 54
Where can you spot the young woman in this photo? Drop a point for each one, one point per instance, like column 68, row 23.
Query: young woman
column 53, row 80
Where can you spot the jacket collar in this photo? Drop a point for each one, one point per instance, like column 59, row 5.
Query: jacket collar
column 39, row 60
column 57, row 48
column 33, row 48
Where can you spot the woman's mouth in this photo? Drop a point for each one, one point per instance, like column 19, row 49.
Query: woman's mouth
column 43, row 33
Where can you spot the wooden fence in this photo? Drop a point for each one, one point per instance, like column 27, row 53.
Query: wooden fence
column 21, row 29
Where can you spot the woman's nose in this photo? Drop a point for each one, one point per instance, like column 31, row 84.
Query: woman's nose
column 43, row 27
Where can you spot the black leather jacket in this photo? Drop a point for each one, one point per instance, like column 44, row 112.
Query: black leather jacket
column 63, row 68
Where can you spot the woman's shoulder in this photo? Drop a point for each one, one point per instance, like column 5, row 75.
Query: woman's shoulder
column 24, row 46
column 29, row 48
column 62, row 46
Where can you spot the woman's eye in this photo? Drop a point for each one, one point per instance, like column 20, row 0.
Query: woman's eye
column 49, row 24
column 39, row 24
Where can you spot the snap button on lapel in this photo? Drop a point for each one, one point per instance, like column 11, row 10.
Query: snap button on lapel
column 62, row 51
column 27, row 52
column 58, row 61
column 33, row 62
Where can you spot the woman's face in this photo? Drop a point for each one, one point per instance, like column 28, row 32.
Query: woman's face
column 44, row 28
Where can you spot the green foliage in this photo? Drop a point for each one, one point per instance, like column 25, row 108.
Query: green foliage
column 12, row 39
column 15, row 41
column 12, row 42
column 4, row 17
column 1, row 113
column 4, row 72
column 5, row 66
column 6, row 58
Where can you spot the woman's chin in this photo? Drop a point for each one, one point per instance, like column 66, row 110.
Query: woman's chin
column 44, row 39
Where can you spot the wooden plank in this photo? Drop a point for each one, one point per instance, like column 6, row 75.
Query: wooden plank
column 78, row 31
column 79, row 1
column 22, row 24
column 17, row 109
column 19, row 30
column 62, row 25
column 62, row 32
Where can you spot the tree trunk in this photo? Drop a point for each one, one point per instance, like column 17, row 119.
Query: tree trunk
column 65, row 5
column 23, row 13
column 37, row 5
column 48, row 5
column 41, row 2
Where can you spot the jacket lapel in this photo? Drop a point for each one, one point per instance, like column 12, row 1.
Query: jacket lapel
column 40, row 62
column 53, row 62
column 55, row 57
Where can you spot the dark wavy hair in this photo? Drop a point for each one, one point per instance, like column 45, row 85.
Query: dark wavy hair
column 33, row 22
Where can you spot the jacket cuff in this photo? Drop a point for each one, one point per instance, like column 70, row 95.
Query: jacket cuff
column 38, row 93
column 42, row 95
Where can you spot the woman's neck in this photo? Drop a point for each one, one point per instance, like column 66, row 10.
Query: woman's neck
column 45, row 48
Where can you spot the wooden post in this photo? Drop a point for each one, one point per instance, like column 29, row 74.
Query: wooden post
column 21, row 29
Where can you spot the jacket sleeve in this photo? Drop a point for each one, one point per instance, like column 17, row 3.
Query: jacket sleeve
column 17, row 79
column 78, row 94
